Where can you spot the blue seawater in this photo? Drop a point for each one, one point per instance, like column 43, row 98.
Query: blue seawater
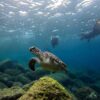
column 26, row 23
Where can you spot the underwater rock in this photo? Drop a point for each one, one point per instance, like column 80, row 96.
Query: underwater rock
column 12, row 72
column 87, row 79
column 86, row 93
column 72, row 75
column 96, row 86
column 9, row 80
column 17, row 84
column 2, row 85
column 39, row 72
column 63, row 78
column 5, row 64
column 12, row 93
column 27, row 86
column 74, row 85
column 31, row 75
column 47, row 88
column 22, row 78
column 6, row 79
column 20, row 68
column 9, row 64
column 71, row 82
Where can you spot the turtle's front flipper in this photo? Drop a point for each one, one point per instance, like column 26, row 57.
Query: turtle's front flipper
column 32, row 63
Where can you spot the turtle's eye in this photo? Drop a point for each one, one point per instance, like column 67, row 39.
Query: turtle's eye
column 32, row 48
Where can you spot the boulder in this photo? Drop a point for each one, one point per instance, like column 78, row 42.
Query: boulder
column 87, row 93
column 6, row 64
column 11, row 93
column 46, row 88
column 12, row 72
column 22, row 79
column 6, row 79
column 2, row 85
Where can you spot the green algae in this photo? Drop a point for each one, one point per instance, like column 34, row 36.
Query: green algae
column 47, row 88
column 12, row 93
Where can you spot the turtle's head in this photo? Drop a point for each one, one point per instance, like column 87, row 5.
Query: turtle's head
column 35, row 50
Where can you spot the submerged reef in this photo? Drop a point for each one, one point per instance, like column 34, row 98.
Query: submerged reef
column 12, row 93
column 47, row 88
column 86, row 93
column 12, row 73
column 25, row 83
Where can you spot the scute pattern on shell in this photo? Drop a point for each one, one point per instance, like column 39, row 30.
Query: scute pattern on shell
column 54, row 58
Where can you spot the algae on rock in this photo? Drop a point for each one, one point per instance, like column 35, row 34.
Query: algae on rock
column 12, row 93
column 47, row 88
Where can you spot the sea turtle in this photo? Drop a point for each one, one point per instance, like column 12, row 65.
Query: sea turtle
column 47, row 60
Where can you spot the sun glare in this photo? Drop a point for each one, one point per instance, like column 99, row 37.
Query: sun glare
column 57, row 3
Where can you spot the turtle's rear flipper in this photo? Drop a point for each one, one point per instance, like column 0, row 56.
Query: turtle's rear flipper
column 32, row 63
